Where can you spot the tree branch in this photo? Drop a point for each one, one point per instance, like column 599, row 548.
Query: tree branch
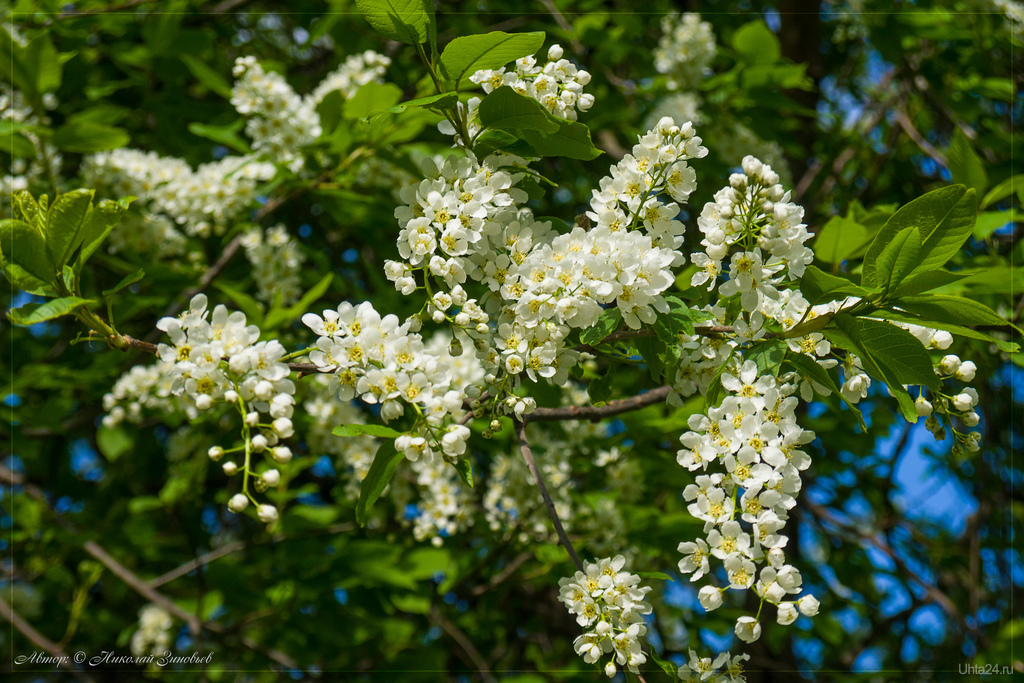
column 597, row 413
column 40, row 641
column 524, row 446
column 133, row 581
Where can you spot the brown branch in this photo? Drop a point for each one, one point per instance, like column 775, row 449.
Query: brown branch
column 502, row 576
column 139, row 345
column 9, row 477
column 237, row 546
column 456, row 634
column 524, row 446
column 597, row 413
column 908, row 127
column 40, row 641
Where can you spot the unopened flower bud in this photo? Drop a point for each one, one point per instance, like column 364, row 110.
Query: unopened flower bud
column 259, row 442
column 455, row 348
column 283, row 427
column 966, row 371
column 267, row 513
column 231, row 396
column 808, row 605
column 204, row 402
column 229, row 468
column 923, row 407
column 215, row 453
column 238, row 502
column 271, row 477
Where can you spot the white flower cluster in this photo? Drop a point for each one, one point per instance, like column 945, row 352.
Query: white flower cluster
column 704, row 670
column 558, row 86
column 754, row 436
column 512, row 500
column 386, row 363
column 355, row 72
column 222, row 361
column 610, row 603
column 629, row 197
column 144, row 387
column 203, row 201
column 276, row 263
column 22, row 171
column 753, row 213
column 449, row 221
column 153, row 637
column 959, row 405
column 685, row 50
column 280, row 120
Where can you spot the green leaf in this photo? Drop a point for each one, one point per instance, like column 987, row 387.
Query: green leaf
column 279, row 316
column 30, row 314
column 25, row 259
column 756, row 44
column 571, row 140
column 465, row 469
column 927, row 281
column 950, row 309
column 930, row 213
column 13, row 142
column 128, row 280
column 466, row 55
column 990, row 221
column 965, row 165
column 445, row 100
column 113, row 443
column 898, row 258
column 942, row 243
column 811, row 369
column 207, row 76
column 65, row 224
column 1003, row 190
column 45, row 63
column 371, row 98
column 492, row 140
column 223, row 135
column 377, row 479
column 901, row 351
column 505, row 109
column 25, row 205
column 600, row 388
column 846, row 335
column 959, row 330
column 821, row 287
column 253, row 309
column 678, row 320
column 609, row 321
column 668, row 667
column 767, row 355
column 98, row 224
column 366, row 430
column 660, row 576
column 840, row 239
column 85, row 137
column 406, row 21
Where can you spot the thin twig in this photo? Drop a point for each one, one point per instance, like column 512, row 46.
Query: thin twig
column 593, row 413
column 9, row 477
column 524, row 446
column 464, row 642
column 237, row 546
column 40, row 641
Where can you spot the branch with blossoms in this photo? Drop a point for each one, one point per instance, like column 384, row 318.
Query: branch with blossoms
column 506, row 301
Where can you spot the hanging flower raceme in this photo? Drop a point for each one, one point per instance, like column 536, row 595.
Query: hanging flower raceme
column 609, row 603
